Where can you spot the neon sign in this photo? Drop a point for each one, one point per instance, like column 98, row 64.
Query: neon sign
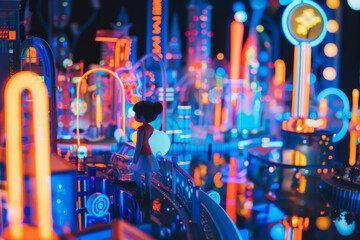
column 157, row 19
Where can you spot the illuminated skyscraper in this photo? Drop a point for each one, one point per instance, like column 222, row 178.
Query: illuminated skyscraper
column 199, row 32
column 174, row 44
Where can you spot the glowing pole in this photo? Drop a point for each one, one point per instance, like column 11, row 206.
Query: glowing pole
column 236, row 41
column 231, row 191
column 78, row 98
column 354, row 110
column 14, row 169
column 354, row 121
column 98, row 111
column 279, row 78
column 304, row 24
column 301, row 82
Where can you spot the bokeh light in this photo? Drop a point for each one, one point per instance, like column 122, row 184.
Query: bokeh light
column 238, row 7
column 329, row 73
column 332, row 26
column 333, row 4
column 240, row 16
column 323, row 223
column 330, row 50
column 354, row 4
column 220, row 56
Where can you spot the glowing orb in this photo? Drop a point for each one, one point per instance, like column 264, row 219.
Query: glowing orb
column 354, row 4
column 332, row 26
column 277, row 232
column 118, row 134
column 159, row 143
column 333, row 4
column 238, row 6
column 329, row 73
column 323, row 223
column 330, row 50
column 342, row 227
column 240, row 16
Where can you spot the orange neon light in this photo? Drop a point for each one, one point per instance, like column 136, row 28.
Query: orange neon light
column 78, row 98
column 98, row 111
column 280, row 71
column 295, row 85
column 236, row 41
column 352, row 154
column 122, row 51
column 307, row 80
column 106, row 39
column 231, row 191
column 14, row 169
column 157, row 18
column 354, row 110
column 197, row 176
column 217, row 114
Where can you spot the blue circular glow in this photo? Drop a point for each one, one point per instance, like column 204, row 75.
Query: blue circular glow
column 354, row 4
column 342, row 227
column 335, row 91
column 220, row 71
column 313, row 115
column 98, row 204
column 312, row 78
column 263, row 71
column 285, row 2
column 238, row 6
column 263, row 56
column 277, row 232
column 241, row 16
column 285, row 26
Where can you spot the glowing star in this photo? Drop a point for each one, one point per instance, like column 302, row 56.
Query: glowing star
column 306, row 22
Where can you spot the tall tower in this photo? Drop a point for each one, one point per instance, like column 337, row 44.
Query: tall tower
column 174, row 44
column 199, row 33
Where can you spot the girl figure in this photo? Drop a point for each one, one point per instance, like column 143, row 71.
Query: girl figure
column 144, row 160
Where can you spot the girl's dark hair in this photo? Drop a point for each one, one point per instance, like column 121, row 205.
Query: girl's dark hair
column 148, row 109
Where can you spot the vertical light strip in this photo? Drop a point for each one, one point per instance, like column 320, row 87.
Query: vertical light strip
column 217, row 114
column 98, row 111
column 13, row 90
column 236, row 41
column 352, row 154
column 280, row 71
column 123, row 117
column 354, row 110
column 307, row 80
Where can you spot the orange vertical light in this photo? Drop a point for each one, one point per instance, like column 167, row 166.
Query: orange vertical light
column 13, row 90
column 294, row 107
column 236, row 41
column 231, row 191
column 122, row 51
column 197, row 176
column 354, row 110
column 352, row 154
column 280, row 71
column 307, row 79
column 98, row 111
column 78, row 99
column 217, row 114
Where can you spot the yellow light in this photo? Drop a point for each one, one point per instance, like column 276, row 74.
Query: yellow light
column 14, row 169
column 220, row 56
column 329, row 73
column 323, row 223
column 260, row 28
column 333, row 4
column 332, row 26
column 330, row 50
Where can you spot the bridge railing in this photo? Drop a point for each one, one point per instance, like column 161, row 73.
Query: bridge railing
column 180, row 185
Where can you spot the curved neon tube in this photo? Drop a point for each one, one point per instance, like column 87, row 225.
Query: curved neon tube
column 78, row 96
column 164, row 81
column 13, row 91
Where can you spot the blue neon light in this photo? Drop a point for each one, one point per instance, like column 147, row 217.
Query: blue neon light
column 285, row 20
column 335, row 91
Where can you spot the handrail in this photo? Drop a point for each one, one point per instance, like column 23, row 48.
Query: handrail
column 220, row 218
